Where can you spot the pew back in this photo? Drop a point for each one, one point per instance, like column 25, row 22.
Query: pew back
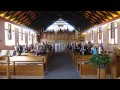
column 27, row 54
column 28, row 65
column 85, row 67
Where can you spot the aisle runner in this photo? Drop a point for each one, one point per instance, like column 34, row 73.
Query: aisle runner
column 61, row 67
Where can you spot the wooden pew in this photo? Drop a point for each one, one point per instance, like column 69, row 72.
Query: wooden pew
column 46, row 57
column 22, row 65
column 76, row 57
column 115, row 66
column 27, row 54
column 28, row 65
column 5, row 60
column 84, row 66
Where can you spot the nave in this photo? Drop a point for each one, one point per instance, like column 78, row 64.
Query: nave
column 42, row 45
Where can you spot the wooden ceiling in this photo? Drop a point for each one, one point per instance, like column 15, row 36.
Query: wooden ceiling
column 42, row 19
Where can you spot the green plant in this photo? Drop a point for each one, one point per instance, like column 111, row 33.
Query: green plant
column 99, row 60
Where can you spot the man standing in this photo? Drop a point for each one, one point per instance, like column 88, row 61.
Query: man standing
column 18, row 49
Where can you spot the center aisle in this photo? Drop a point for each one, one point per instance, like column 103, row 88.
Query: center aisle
column 61, row 67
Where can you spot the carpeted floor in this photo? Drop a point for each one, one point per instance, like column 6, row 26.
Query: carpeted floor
column 61, row 67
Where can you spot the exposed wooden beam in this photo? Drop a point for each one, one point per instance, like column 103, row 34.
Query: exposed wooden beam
column 15, row 15
column 92, row 15
column 3, row 13
column 106, row 16
column 118, row 12
column 101, row 16
column 9, row 13
column 109, row 14
column 114, row 12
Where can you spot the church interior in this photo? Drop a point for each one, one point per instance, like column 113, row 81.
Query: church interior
column 59, row 45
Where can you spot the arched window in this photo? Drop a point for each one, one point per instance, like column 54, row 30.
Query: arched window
column 92, row 36
column 113, row 33
column 9, row 34
column 35, row 37
column 100, row 35
column 21, row 36
column 29, row 37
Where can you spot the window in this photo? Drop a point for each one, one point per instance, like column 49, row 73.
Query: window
column 9, row 34
column 21, row 36
column 92, row 36
column 29, row 37
column 100, row 35
column 60, row 23
column 113, row 33
column 35, row 37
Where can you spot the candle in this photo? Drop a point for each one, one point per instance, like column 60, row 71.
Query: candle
column 99, row 50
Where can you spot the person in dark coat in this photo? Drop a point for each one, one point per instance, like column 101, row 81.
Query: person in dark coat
column 18, row 50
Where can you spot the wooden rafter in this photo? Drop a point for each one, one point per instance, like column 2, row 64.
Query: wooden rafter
column 14, row 15
column 99, row 15
column 38, row 19
column 118, row 12
column 3, row 13
column 110, row 14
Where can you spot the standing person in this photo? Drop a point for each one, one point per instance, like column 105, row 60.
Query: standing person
column 35, row 48
column 42, row 49
column 59, row 47
column 56, row 47
column 86, row 50
column 89, row 47
column 82, row 50
column 94, row 50
column 72, row 46
column 53, row 46
column 102, row 47
column 18, row 49
column 75, row 47
column 25, row 49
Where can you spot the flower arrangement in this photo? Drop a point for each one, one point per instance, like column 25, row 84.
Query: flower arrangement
column 100, row 60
